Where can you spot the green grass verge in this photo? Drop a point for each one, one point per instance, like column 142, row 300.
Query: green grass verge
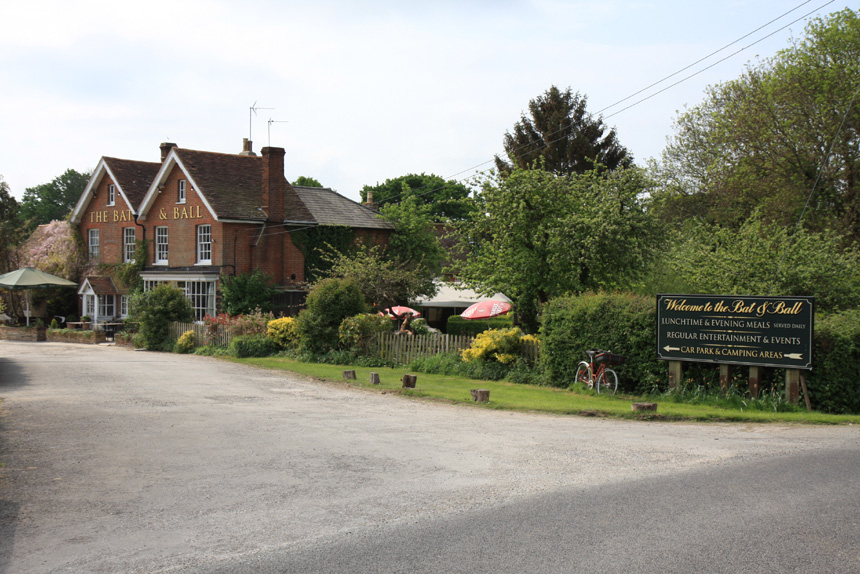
column 517, row 397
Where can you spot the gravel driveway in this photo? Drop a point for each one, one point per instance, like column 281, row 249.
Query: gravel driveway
column 124, row 461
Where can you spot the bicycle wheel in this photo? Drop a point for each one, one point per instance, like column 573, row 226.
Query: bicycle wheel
column 583, row 374
column 607, row 382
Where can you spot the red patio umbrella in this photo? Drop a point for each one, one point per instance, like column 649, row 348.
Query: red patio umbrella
column 399, row 310
column 486, row 309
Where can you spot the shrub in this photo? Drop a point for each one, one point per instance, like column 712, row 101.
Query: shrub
column 420, row 327
column 456, row 325
column 329, row 302
column 54, row 323
column 154, row 310
column 623, row 323
column 284, row 332
column 242, row 294
column 358, row 332
column 833, row 383
column 252, row 346
column 500, row 345
column 254, row 323
column 186, row 343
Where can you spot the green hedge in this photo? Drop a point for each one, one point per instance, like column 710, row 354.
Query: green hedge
column 834, row 383
column 458, row 326
column 626, row 324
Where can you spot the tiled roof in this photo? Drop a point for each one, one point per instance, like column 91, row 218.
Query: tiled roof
column 133, row 177
column 330, row 208
column 230, row 183
column 103, row 285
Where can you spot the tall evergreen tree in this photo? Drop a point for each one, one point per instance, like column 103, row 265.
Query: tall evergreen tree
column 561, row 131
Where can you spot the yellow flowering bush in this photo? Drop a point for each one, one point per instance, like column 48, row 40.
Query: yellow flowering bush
column 284, row 332
column 186, row 342
column 500, row 345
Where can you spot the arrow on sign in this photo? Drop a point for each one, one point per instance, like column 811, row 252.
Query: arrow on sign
column 669, row 349
column 794, row 356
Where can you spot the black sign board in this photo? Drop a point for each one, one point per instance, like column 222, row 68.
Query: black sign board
column 758, row 331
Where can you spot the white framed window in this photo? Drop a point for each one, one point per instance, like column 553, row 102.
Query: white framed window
column 111, row 194
column 180, row 196
column 161, row 246
column 128, row 237
column 93, row 243
column 90, row 306
column 106, row 306
column 123, row 306
column 204, row 244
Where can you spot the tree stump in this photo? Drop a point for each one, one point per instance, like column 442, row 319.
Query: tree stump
column 349, row 375
column 409, row 381
column 644, row 407
column 374, row 378
column 481, row 395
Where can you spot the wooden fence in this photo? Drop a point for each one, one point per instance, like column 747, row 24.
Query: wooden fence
column 405, row 348
column 216, row 335
column 399, row 348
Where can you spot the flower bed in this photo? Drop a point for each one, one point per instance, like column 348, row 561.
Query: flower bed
column 32, row 334
column 76, row 336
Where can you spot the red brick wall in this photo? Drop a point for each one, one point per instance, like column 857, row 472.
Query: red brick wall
column 109, row 220
column 181, row 220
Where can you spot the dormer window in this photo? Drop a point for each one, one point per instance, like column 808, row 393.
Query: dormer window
column 111, row 195
column 180, row 198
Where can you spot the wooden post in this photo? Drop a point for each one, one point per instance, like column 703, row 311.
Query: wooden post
column 409, row 381
column 374, row 378
column 792, row 385
column 755, row 379
column 643, row 407
column 349, row 375
column 481, row 395
column 674, row 374
column 805, row 393
column 725, row 377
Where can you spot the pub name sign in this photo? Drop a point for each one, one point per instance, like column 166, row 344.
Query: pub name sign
column 755, row 331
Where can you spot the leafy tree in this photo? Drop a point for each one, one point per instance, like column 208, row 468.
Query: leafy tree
column 414, row 240
column 560, row 130
column 447, row 199
column 329, row 302
column 9, row 233
column 246, row 292
column 538, row 235
column 154, row 310
column 760, row 258
column 760, row 141
column 303, row 181
column 49, row 201
column 382, row 282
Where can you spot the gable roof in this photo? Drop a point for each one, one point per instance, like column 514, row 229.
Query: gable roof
column 231, row 184
column 131, row 177
column 100, row 286
column 330, row 208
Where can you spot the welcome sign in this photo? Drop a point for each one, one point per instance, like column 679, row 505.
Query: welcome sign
column 745, row 330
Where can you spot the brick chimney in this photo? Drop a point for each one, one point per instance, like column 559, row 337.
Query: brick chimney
column 247, row 147
column 165, row 149
column 273, row 182
column 370, row 204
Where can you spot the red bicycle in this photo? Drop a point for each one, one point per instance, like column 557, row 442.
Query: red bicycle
column 595, row 372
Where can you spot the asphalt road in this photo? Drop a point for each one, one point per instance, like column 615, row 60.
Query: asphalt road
column 123, row 461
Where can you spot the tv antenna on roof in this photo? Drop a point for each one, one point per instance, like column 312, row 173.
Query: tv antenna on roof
column 253, row 110
column 271, row 121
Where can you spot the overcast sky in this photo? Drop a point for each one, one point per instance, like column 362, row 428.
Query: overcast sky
column 362, row 91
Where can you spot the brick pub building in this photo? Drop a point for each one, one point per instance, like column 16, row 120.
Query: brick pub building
column 204, row 215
